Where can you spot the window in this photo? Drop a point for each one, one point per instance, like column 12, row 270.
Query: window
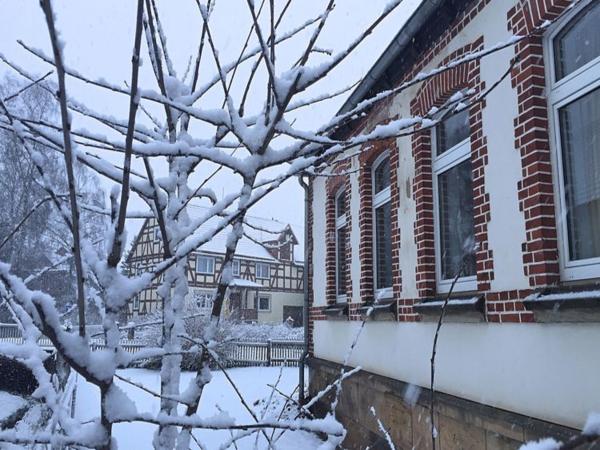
column 157, row 235
column 235, row 267
column 574, row 103
column 205, row 265
column 203, row 300
column 136, row 303
column 263, row 271
column 453, row 203
column 340, row 246
column 264, row 303
column 382, row 227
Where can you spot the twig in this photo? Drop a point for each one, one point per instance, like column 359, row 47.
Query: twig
column 69, row 162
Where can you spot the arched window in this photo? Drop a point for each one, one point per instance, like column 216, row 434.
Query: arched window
column 453, row 203
column 573, row 51
column 382, row 227
column 340, row 245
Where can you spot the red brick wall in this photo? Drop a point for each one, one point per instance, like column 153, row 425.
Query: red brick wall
column 536, row 196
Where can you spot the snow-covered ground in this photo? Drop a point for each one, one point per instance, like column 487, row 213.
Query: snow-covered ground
column 9, row 404
column 251, row 381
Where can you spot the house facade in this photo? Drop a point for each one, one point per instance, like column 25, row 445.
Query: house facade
column 267, row 284
column 497, row 207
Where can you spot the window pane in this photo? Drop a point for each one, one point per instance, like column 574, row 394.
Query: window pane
column 340, row 205
column 235, row 268
column 263, row 303
column 580, row 139
column 262, row 270
column 381, row 176
column 578, row 43
column 453, row 130
column 383, row 242
column 456, row 221
column 341, row 261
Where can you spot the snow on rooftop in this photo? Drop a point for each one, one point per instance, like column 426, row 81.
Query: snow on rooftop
column 240, row 282
column 247, row 247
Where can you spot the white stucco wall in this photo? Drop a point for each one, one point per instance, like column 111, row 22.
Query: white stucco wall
column 278, row 301
column 548, row 371
column 355, row 233
column 319, row 227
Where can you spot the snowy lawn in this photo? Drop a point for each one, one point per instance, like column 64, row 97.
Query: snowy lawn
column 9, row 404
column 251, row 381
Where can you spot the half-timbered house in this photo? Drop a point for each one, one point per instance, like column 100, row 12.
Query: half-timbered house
column 267, row 269
column 496, row 204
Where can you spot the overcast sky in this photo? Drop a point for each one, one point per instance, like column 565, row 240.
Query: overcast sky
column 99, row 39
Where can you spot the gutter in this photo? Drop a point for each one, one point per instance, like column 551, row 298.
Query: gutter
column 400, row 42
column 302, row 362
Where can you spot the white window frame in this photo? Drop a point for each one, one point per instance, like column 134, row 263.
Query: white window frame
column 208, row 258
column 340, row 222
column 205, row 294
column 258, row 308
column 447, row 160
column 379, row 199
column 262, row 264
column 560, row 93
column 234, row 263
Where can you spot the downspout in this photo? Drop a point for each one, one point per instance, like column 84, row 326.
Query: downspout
column 301, row 384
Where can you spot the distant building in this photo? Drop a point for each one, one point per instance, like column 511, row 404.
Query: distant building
column 267, row 271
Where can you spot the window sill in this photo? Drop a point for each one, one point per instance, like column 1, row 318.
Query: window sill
column 336, row 311
column 566, row 304
column 458, row 309
column 380, row 311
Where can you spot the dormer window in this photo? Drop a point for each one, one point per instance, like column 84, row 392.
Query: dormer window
column 382, row 227
column 574, row 102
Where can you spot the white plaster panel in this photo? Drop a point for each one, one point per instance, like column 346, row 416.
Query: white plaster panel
column 319, row 247
column 547, row 371
column 355, row 266
column 506, row 228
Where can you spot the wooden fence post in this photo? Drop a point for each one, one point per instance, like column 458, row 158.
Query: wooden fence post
column 269, row 350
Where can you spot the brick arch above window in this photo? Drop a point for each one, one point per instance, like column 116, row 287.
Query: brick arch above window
column 434, row 93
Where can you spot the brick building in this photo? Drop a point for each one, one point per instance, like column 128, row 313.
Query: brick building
column 516, row 178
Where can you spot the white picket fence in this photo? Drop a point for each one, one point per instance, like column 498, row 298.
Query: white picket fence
column 270, row 353
column 239, row 353
column 11, row 333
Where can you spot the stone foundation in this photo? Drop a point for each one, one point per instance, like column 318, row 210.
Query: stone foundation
column 405, row 411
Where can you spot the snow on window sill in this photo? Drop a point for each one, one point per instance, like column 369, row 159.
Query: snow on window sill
column 336, row 311
column 381, row 310
column 461, row 309
column 565, row 305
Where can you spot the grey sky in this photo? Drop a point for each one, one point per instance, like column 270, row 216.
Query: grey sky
column 99, row 39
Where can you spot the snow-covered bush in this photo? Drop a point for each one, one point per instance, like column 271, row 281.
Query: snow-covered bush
column 148, row 330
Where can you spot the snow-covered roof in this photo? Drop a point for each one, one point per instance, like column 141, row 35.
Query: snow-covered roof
column 242, row 283
column 246, row 246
